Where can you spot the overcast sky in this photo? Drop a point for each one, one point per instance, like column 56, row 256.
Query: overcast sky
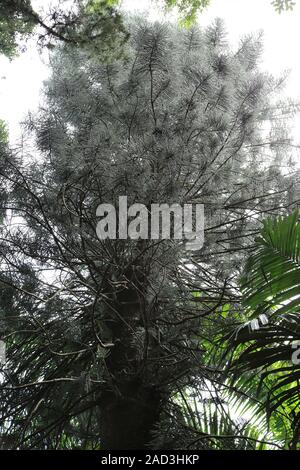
column 21, row 79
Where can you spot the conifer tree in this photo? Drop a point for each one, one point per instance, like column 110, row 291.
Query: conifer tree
column 103, row 336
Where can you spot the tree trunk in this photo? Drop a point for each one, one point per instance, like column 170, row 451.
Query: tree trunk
column 128, row 421
column 130, row 405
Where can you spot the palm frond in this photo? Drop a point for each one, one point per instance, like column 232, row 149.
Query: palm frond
column 271, row 290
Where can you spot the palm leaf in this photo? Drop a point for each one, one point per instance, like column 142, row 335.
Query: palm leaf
column 271, row 288
column 272, row 275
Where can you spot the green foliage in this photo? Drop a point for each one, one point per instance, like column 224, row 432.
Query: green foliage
column 96, row 6
column 100, row 29
column 271, row 294
column 15, row 25
column 271, row 284
column 91, row 24
column 212, row 424
column 283, row 5
column 188, row 9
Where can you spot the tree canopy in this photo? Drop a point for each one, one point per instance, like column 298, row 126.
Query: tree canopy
column 109, row 340
column 189, row 9
column 93, row 23
column 96, row 25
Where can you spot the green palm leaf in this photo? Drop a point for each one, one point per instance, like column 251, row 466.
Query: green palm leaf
column 264, row 344
column 271, row 283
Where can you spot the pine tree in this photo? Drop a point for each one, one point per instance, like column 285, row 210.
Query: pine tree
column 104, row 335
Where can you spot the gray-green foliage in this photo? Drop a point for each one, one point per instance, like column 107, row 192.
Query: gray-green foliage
column 283, row 5
column 95, row 25
column 3, row 155
column 181, row 120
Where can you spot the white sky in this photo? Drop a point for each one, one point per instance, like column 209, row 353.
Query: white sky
column 20, row 89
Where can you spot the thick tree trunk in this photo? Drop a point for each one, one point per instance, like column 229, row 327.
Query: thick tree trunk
column 130, row 405
column 128, row 422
